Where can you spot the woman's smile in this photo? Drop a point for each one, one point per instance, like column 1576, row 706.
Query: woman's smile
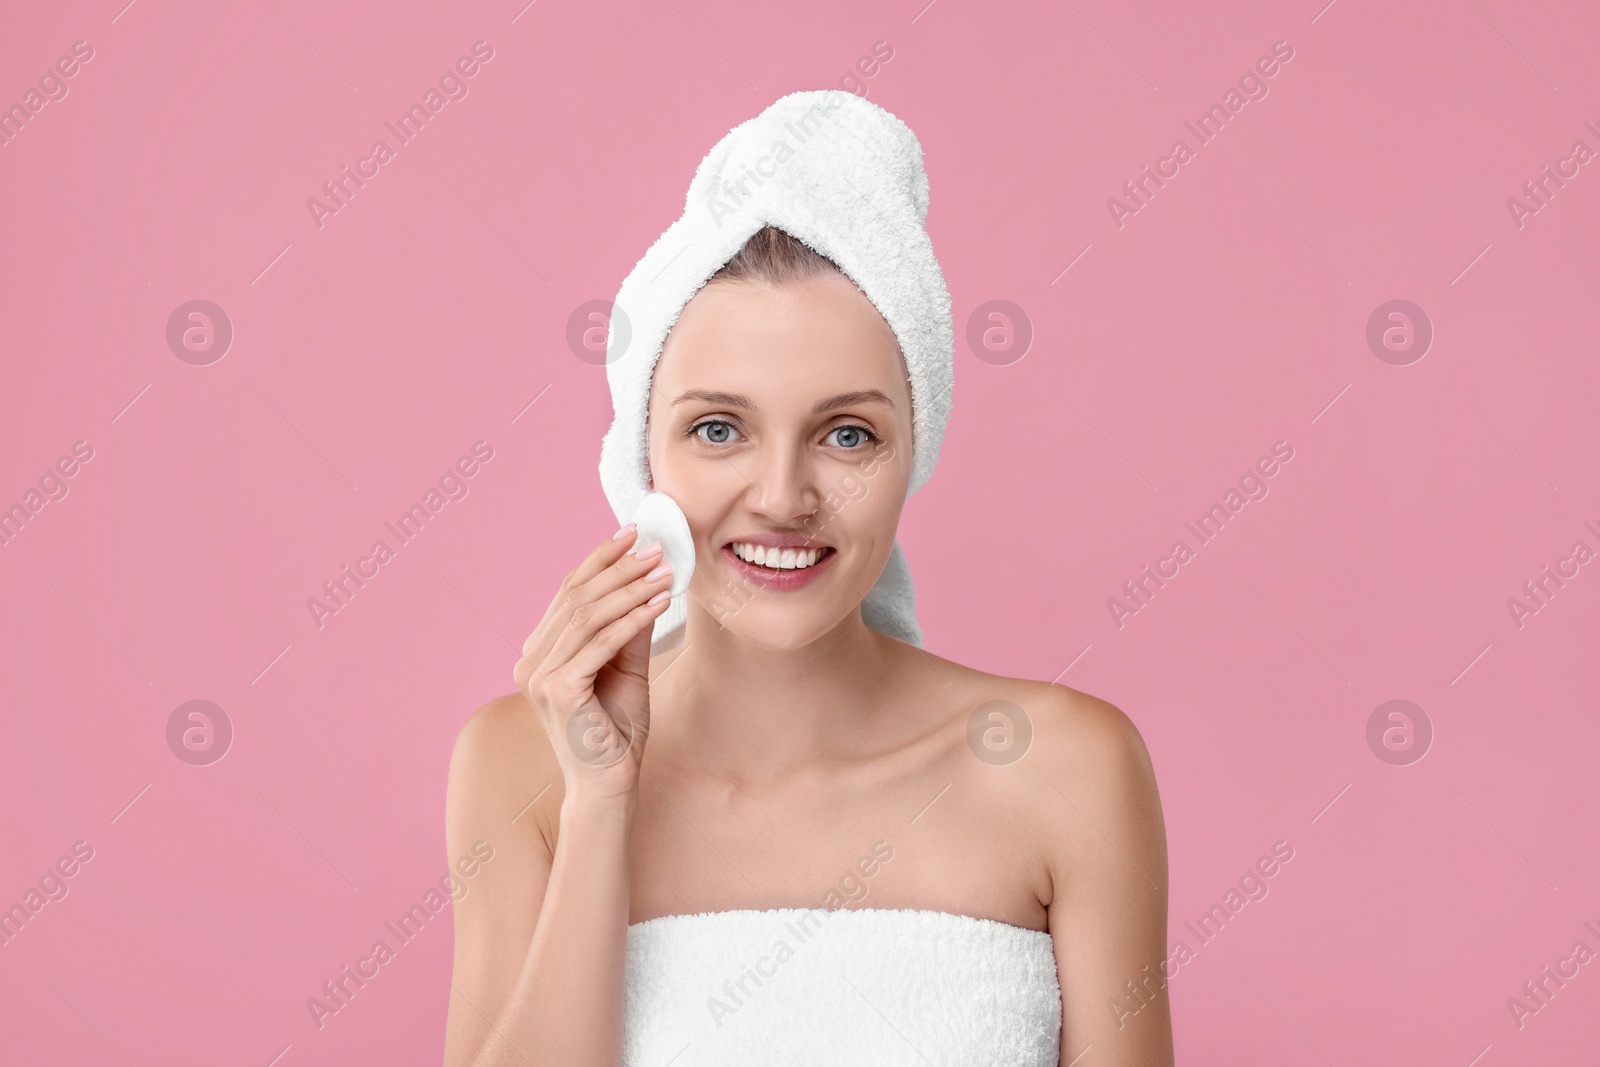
column 770, row 564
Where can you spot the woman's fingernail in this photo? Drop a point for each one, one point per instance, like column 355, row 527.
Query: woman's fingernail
column 645, row 551
column 660, row 572
column 658, row 598
column 620, row 534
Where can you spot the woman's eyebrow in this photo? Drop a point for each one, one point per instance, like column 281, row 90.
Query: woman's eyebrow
column 738, row 400
column 732, row 400
column 845, row 400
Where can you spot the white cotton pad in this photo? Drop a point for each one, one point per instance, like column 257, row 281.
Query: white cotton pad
column 660, row 519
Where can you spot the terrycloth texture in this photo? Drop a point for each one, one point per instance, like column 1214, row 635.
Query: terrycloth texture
column 845, row 177
column 870, row 986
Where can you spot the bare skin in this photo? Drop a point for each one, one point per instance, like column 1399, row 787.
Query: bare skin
column 754, row 765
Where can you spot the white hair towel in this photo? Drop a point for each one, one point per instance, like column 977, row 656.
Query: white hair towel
column 845, row 177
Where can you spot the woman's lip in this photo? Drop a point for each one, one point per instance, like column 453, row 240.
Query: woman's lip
column 779, row 581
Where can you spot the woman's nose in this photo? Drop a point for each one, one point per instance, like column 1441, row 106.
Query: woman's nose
column 783, row 486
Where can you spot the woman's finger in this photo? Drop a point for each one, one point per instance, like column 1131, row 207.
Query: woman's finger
column 605, row 645
column 592, row 617
column 576, row 588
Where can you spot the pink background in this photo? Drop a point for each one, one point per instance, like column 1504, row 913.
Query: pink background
column 369, row 354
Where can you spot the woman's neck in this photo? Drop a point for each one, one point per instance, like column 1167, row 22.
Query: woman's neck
column 754, row 712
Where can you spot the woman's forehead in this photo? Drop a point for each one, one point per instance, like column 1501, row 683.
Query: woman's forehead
column 818, row 336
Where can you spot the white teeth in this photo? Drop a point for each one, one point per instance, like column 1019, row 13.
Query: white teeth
column 785, row 559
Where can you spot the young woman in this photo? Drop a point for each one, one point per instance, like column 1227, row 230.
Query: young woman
column 793, row 837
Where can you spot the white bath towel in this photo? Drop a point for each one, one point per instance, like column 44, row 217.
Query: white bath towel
column 868, row 986
column 846, row 177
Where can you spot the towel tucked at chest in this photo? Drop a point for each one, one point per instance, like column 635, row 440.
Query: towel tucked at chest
column 878, row 987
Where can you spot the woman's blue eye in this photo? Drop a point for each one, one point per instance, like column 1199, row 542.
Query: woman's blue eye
column 719, row 431
column 855, row 436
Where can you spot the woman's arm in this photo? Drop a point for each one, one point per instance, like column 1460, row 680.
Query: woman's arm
column 541, row 932
column 1108, row 915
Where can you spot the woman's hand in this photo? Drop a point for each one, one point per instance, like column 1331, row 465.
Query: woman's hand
column 586, row 667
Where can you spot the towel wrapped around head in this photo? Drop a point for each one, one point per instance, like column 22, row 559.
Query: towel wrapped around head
column 845, row 177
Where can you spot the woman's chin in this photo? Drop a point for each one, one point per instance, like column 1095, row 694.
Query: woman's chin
column 774, row 627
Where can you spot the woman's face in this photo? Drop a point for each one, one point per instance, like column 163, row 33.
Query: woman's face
column 781, row 416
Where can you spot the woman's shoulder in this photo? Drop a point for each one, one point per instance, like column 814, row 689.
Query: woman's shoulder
column 502, row 758
column 1074, row 762
column 501, row 722
column 1065, row 731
